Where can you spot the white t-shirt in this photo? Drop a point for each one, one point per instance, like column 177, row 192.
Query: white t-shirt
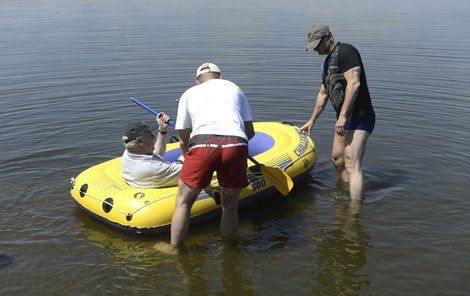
column 215, row 107
column 149, row 171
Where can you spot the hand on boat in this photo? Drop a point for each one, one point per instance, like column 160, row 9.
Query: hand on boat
column 306, row 128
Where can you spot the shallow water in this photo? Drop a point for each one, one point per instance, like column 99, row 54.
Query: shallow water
column 69, row 67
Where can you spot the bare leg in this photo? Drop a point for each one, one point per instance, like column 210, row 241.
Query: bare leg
column 229, row 221
column 337, row 155
column 354, row 152
column 180, row 221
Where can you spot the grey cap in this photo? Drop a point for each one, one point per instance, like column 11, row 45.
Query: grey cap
column 315, row 34
column 135, row 130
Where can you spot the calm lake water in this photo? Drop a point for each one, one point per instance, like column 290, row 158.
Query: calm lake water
column 67, row 69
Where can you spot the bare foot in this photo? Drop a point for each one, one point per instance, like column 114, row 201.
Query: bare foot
column 166, row 248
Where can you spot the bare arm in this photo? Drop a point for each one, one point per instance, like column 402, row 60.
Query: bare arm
column 249, row 129
column 184, row 139
column 353, row 82
column 320, row 104
column 160, row 143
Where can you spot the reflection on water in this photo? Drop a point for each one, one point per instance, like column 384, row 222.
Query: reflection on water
column 113, row 244
column 234, row 279
column 227, row 276
column 341, row 252
column 202, row 261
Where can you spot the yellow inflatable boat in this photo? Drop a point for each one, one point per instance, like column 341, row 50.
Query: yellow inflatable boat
column 101, row 191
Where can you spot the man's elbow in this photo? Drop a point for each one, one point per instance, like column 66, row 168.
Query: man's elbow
column 249, row 130
column 250, row 134
column 355, row 85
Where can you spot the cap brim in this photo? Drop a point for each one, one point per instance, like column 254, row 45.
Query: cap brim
column 313, row 44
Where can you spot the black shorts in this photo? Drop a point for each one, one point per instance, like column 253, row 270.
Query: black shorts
column 365, row 123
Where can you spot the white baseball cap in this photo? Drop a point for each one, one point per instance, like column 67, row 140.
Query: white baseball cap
column 206, row 68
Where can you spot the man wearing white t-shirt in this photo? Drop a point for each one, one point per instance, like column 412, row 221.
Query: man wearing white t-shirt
column 214, row 123
column 142, row 162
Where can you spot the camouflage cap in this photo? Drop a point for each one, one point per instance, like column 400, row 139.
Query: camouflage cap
column 315, row 35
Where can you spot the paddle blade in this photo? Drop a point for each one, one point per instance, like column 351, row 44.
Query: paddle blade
column 278, row 178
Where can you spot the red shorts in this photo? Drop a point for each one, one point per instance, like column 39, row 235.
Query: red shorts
column 230, row 163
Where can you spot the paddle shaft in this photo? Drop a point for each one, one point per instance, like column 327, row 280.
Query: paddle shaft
column 173, row 124
column 150, row 110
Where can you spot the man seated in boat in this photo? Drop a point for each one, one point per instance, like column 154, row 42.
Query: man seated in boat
column 142, row 161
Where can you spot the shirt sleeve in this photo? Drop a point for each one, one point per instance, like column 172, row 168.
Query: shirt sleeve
column 349, row 58
column 245, row 108
column 168, row 169
column 183, row 121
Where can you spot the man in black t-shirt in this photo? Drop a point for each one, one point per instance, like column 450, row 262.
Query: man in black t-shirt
column 344, row 83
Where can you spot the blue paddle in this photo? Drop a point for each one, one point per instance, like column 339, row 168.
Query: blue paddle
column 150, row 110
column 275, row 176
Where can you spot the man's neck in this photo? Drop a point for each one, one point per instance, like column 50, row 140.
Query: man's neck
column 139, row 152
column 333, row 46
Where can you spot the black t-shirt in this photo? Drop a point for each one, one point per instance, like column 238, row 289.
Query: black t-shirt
column 348, row 58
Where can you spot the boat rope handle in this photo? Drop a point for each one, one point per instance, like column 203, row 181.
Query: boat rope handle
column 119, row 210
column 103, row 201
column 147, row 204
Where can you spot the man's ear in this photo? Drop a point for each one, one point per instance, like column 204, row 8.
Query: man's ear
column 197, row 81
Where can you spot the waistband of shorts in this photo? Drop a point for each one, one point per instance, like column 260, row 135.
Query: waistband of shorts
column 216, row 141
column 363, row 117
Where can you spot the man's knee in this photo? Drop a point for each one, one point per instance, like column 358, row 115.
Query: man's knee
column 186, row 196
column 353, row 168
column 354, row 173
column 353, row 162
column 338, row 161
